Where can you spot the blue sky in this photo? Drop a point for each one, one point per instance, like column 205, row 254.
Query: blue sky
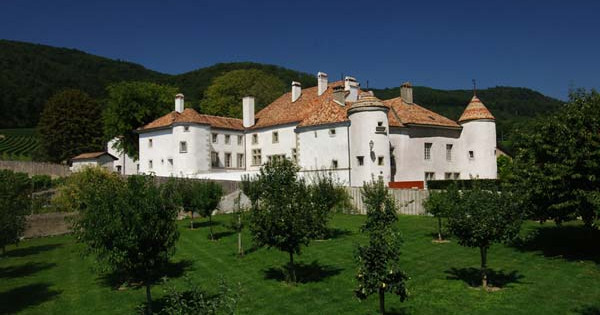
column 549, row 46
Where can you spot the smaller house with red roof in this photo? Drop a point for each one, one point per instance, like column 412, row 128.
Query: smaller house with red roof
column 92, row 159
column 334, row 128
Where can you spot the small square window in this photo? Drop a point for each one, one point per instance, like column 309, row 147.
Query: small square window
column 240, row 139
column 215, row 137
column 471, row 155
column 456, row 175
column 186, row 128
column 183, row 147
column 227, row 139
column 254, row 139
column 447, row 175
column 275, row 137
column 334, row 164
column 332, row 132
column 380, row 160
column 150, row 164
column 429, row 176
column 149, row 143
column 361, row 160
column 379, row 123
column 170, row 162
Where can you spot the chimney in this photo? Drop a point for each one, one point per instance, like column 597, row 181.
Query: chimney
column 339, row 95
column 351, row 85
column 406, row 92
column 322, row 80
column 248, row 111
column 296, row 90
column 179, row 103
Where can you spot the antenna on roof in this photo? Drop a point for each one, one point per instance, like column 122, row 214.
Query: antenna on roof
column 474, row 87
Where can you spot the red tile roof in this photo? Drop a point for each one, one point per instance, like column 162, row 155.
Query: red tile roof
column 93, row 155
column 475, row 110
column 189, row 115
column 402, row 114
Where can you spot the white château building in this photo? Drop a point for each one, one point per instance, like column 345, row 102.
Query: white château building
column 333, row 127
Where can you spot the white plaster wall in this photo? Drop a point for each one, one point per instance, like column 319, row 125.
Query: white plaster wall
column 409, row 152
column 163, row 146
column 196, row 159
column 103, row 161
column 287, row 141
column 318, row 152
column 221, row 147
column 362, row 131
column 130, row 167
column 479, row 136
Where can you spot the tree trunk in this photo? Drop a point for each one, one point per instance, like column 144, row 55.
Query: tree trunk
column 148, row 299
column 483, row 251
column 192, row 220
column 210, row 226
column 439, row 229
column 381, row 301
column 292, row 269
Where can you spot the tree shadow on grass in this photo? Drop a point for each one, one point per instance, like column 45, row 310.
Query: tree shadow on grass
column 568, row 242
column 172, row 270
column 24, row 270
column 220, row 235
column 472, row 276
column 204, row 223
column 588, row 310
column 397, row 311
column 335, row 233
column 313, row 272
column 31, row 250
column 20, row 298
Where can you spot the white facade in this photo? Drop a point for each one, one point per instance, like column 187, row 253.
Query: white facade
column 105, row 161
column 124, row 164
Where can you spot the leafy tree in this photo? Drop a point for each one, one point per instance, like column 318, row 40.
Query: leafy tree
column 131, row 105
column 504, row 164
column 379, row 266
column 209, row 196
column 195, row 301
column 224, row 96
column 250, row 186
column 325, row 195
column 14, row 203
column 237, row 221
column 70, row 124
column 440, row 204
column 128, row 225
column 483, row 217
column 283, row 216
column 557, row 166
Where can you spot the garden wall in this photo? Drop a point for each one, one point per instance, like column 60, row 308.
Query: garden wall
column 36, row 168
column 47, row 224
column 409, row 201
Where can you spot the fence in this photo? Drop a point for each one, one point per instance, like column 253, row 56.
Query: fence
column 409, row 201
column 36, row 168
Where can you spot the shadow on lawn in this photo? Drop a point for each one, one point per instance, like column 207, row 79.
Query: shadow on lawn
column 173, row 270
column 219, row 235
column 24, row 270
column 31, row 250
column 472, row 276
column 17, row 299
column 568, row 242
column 588, row 310
column 206, row 223
column 334, row 233
column 313, row 272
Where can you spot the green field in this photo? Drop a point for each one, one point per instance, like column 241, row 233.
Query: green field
column 18, row 144
column 552, row 271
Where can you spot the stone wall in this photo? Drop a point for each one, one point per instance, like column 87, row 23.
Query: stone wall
column 36, row 168
column 47, row 224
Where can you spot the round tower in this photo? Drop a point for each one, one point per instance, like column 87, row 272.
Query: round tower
column 369, row 142
column 478, row 139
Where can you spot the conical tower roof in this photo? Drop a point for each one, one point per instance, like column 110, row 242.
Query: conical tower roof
column 475, row 110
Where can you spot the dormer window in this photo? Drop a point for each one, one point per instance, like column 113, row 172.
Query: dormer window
column 332, row 132
column 380, row 128
column 186, row 128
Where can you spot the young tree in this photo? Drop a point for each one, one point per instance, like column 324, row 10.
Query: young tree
column 379, row 267
column 128, row 225
column 237, row 221
column 483, row 217
column 282, row 218
column 209, row 195
column 439, row 204
column 131, row 105
column 70, row 124
column 324, row 195
column 250, row 186
column 15, row 190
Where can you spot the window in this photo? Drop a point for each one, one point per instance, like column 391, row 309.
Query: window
column 227, row 139
column 448, row 152
column 380, row 160
column 149, row 143
column 276, row 157
column 214, row 159
column 294, row 154
column 186, row 128
column 334, row 164
column 182, row 147
column 150, row 164
column 240, row 160
column 427, row 152
column 361, row 160
column 254, row 139
column 170, row 162
column 471, row 155
column 227, row 159
column 118, row 168
column 455, row 175
column 215, row 137
column 315, row 133
column 332, row 132
column 429, row 176
column 275, row 137
column 256, row 157
column 447, row 175
column 240, row 140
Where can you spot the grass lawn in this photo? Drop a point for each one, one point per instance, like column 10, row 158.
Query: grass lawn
column 552, row 271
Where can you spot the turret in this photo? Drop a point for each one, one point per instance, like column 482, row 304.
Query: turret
column 369, row 142
column 478, row 139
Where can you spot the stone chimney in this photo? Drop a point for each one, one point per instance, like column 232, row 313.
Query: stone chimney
column 350, row 84
column 179, row 103
column 322, row 82
column 339, row 95
column 406, row 92
column 248, row 111
column 296, row 90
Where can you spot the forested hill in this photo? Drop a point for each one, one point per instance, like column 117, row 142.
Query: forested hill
column 31, row 73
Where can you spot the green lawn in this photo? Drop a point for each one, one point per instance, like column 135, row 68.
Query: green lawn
column 553, row 272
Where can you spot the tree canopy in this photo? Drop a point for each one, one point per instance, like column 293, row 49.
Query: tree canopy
column 224, row 96
column 14, row 205
column 70, row 124
column 131, row 105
